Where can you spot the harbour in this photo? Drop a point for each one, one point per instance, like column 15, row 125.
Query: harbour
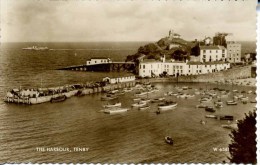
column 128, row 82
column 136, row 135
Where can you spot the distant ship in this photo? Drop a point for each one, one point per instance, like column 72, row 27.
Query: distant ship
column 36, row 48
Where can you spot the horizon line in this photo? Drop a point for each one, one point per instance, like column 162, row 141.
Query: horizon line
column 95, row 41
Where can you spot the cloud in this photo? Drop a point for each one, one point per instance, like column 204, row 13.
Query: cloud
column 57, row 20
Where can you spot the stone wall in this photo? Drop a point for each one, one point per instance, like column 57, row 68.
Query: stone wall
column 234, row 73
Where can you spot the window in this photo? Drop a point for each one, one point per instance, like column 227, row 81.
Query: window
column 180, row 67
column 189, row 66
column 210, row 51
column 189, row 70
column 95, row 61
column 101, row 60
column 216, row 51
column 140, row 67
column 204, row 51
column 197, row 66
column 151, row 65
column 143, row 66
column 223, row 51
column 204, row 56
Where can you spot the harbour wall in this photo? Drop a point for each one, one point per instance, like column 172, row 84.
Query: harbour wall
column 83, row 91
column 234, row 73
column 107, row 87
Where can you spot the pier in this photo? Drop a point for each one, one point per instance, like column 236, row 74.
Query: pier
column 80, row 91
column 103, row 67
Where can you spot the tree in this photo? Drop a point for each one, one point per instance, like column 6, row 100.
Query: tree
column 243, row 145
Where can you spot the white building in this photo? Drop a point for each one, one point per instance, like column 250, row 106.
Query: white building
column 114, row 80
column 99, row 60
column 153, row 68
column 213, row 53
column 233, row 52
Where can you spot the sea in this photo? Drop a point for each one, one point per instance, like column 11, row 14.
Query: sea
column 76, row 130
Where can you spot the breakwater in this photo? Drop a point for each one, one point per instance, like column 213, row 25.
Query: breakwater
column 33, row 97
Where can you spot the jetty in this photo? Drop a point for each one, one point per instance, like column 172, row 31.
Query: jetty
column 103, row 67
column 43, row 95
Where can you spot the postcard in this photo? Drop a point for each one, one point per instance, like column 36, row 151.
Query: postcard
column 128, row 81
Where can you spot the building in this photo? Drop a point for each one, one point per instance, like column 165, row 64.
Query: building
column 153, row 68
column 207, row 41
column 114, row 80
column 213, row 53
column 233, row 52
column 98, row 60
column 173, row 35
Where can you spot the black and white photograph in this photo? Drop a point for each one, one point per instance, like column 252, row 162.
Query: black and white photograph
column 128, row 81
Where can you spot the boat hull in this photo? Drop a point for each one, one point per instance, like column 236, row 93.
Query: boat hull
column 167, row 107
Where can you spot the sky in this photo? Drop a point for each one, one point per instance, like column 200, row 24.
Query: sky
column 124, row 20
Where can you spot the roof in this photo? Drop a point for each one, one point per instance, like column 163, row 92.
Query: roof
column 212, row 47
column 98, row 58
column 150, row 61
column 170, row 61
column 119, row 76
column 206, row 63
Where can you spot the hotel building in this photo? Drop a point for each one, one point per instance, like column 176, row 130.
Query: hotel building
column 233, row 52
column 211, row 59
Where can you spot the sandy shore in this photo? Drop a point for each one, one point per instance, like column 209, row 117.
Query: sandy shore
column 244, row 82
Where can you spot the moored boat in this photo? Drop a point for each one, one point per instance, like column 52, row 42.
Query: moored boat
column 167, row 105
column 139, row 104
column 115, row 111
column 210, row 109
column 108, row 97
column 118, row 104
column 211, row 116
column 232, row 102
column 137, row 99
column 201, row 106
column 58, row 98
column 205, row 99
column 229, row 126
column 226, row 117
column 141, row 94
column 158, row 100
column 144, row 107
